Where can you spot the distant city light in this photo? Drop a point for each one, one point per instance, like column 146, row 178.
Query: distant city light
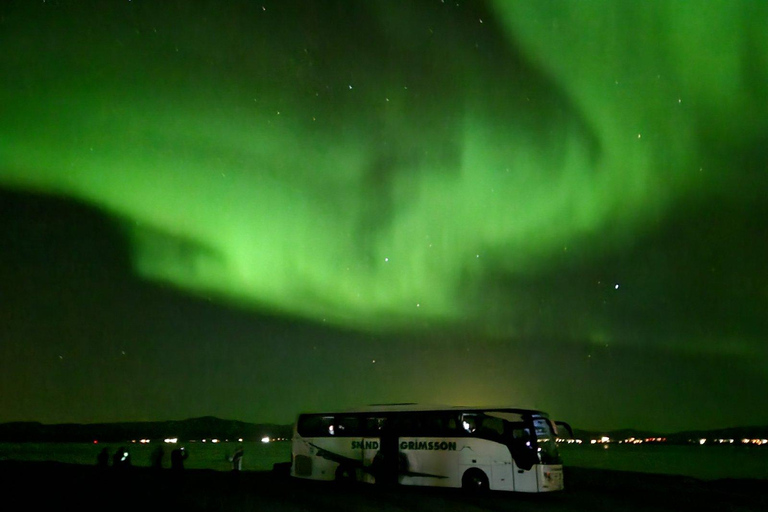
column 265, row 439
column 758, row 442
column 605, row 440
column 171, row 440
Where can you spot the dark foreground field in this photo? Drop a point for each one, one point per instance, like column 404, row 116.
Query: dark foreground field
column 57, row 486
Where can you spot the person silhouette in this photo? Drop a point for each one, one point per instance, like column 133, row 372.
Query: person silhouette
column 121, row 459
column 237, row 459
column 102, row 459
column 178, row 456
column 157, row 457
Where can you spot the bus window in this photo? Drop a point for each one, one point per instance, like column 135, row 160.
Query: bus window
column 522, row 448
column 482, row 426
column 315, row 426
column 469, row 422
column 491, row 428
column 402, row 424
column 439, row 424
column 348, row 426
column 374, row 425
column 522, row 436
column 547, row 444
column 413, row 425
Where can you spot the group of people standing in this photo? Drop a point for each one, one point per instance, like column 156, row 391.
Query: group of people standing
column 122, row 458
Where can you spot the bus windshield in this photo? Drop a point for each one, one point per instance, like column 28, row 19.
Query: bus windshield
column 546, row 442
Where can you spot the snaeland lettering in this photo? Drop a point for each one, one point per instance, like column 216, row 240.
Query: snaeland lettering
column 365, row 445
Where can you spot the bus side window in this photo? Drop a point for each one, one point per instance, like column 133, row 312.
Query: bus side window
column 348, row 426
column 522, row 436
column 435, row 425
column 397, row 423
column 407, row 424
column 315, row 426
column 469, row 422
column 491, row 428
column 418, row 426
column 373, row 426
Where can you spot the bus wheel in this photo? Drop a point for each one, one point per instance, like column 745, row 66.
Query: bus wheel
column 345, row 475
column 474, row 480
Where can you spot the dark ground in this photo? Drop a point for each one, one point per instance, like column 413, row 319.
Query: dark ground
column 58, row 486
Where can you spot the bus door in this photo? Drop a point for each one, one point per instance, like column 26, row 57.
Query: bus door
column 524, row 459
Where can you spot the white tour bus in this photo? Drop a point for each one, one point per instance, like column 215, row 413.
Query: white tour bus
column 497, row 448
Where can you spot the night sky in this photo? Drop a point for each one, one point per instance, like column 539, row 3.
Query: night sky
column 250, row 209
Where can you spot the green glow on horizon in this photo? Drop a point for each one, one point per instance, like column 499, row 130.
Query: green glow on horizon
column 376, row 208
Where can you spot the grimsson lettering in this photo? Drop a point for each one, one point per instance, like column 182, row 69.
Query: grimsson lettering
column 428, row 445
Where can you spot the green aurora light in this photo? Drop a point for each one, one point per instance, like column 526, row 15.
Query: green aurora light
column 390, row 172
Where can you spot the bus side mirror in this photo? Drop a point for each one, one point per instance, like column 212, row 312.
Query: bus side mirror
column 566, row 427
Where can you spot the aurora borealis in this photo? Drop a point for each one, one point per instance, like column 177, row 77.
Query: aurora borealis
column 250, row 209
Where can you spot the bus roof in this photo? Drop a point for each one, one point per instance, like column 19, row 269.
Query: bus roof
column 415, row 407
